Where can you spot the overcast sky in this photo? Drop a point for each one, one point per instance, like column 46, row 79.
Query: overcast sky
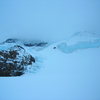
column 48, row 19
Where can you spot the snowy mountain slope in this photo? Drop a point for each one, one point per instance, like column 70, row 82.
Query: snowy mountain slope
column 79, row 41
column 40, row 49
column 73, row 77
column 64, row 76
column 83, row 36
column 18, row 57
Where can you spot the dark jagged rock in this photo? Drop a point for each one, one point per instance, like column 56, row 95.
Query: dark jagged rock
column 29, row 44
column 26, row 43
column 14, row 61
column 11, row 41
column 40, row 44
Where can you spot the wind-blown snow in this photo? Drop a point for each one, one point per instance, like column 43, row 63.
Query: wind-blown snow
column 70, row 72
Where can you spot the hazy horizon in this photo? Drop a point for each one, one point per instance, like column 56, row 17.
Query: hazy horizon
column 48, row 20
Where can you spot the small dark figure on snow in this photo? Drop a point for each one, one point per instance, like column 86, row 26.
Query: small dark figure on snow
column 54, row 47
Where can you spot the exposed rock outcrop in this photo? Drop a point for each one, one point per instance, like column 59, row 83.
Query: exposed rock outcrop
column 14, row 61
